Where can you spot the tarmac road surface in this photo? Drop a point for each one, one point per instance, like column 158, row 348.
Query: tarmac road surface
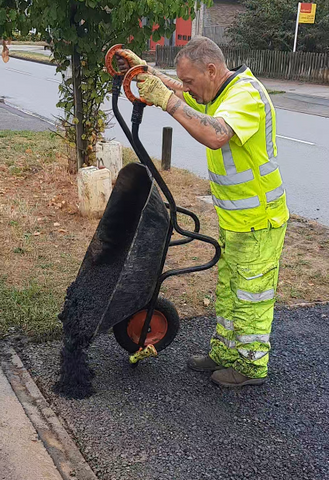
column 163, row 422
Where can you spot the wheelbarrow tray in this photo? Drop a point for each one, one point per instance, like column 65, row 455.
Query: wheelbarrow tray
column 124, row 259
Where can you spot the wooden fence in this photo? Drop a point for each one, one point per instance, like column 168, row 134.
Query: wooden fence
column 308, row 67
column 217, row 33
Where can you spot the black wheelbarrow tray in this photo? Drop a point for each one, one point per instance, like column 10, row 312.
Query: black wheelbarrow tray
column 120, row 277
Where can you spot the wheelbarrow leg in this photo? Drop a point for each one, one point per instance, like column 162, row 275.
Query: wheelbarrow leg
column 148, row 350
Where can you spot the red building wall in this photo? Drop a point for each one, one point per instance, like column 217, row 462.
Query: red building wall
column 181, row 36
column 183, row 31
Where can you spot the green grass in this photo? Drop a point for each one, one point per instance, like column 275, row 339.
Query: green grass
column 28, row 42
column 275, row 92
column 31, row 56
column 30, row 311
column 26, row 150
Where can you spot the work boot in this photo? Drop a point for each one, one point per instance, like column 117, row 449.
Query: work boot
column 203, row 363
column 231, row 378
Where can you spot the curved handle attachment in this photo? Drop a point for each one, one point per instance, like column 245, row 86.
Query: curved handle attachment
column 109, row 59
column 132, row 73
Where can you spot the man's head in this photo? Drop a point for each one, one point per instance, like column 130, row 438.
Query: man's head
column 201, row 67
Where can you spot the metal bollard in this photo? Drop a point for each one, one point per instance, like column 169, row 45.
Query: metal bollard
column 166, row 148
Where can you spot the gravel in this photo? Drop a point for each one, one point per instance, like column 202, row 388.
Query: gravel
column 163, row 422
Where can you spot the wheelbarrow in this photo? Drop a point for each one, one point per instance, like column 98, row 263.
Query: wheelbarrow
column 119, row 280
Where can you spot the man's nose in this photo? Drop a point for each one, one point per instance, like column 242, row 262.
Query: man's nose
column 186, row 88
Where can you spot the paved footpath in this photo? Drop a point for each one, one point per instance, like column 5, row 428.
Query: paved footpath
column 22, row 454
column 14, row 119
column 34, row 444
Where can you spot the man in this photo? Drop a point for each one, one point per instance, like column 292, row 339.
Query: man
column 231, row 113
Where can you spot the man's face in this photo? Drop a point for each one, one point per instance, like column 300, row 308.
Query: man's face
column 196, row 81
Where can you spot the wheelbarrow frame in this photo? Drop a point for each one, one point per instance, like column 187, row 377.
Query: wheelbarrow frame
column 188, row 236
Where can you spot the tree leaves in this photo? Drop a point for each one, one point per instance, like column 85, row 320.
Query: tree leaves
column 270, row 24
column 90, row 27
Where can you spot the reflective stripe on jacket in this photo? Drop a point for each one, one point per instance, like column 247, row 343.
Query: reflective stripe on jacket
column 245, row 179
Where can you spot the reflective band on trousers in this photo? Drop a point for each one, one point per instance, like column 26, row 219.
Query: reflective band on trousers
column 228, row 343
column 275, row 194
column 243, row 204
column 257, row 337
column 247, row 338
column 255, row 297
column 252, row 355
column 253, row 338
column 227, row 324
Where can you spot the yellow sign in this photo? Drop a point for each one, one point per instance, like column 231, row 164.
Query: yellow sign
column 307, row 13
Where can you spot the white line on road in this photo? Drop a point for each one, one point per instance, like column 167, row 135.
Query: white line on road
column 18, row 71
column 52, row 80
column 295, row 140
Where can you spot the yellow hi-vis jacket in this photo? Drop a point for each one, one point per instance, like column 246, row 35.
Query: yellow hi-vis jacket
column 245, row 180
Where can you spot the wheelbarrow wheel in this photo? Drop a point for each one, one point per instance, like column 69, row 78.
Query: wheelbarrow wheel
column 163, row 328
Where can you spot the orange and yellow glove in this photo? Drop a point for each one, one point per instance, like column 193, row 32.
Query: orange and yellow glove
column 153, row 90
column 127, row 59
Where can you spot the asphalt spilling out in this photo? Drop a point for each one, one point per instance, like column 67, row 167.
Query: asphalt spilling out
column 81, row 317
column 118, row 274
column 162, row 421
column 88, row 297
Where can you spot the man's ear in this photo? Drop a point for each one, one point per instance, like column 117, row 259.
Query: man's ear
column 212, row 70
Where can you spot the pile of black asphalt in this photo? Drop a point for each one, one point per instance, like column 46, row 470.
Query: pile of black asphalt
column 161, row 421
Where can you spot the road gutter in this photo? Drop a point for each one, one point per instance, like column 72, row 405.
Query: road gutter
column 63, row 451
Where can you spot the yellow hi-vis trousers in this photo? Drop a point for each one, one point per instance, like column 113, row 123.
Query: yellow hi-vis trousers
column 247, row 279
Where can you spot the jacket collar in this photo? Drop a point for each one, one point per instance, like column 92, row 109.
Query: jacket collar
column 237, row 72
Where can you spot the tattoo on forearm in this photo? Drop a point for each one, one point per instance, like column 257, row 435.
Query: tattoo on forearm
column 175, row 107
column 219, row 126
column 168, row 81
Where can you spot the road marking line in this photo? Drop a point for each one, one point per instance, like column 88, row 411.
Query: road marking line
column 18, row 71
column 51, row 80
column 295, row 140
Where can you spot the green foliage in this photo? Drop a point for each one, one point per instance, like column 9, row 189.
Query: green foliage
column 13, row 17
column 91, row 27
column 270, row 24
column 29, row 37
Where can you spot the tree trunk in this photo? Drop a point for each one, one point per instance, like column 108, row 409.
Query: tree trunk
column 78, row 109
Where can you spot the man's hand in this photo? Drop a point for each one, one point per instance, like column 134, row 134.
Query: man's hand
column 127, row 59
column 153, row 90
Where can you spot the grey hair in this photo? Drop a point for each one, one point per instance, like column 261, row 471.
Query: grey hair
column 202, row 51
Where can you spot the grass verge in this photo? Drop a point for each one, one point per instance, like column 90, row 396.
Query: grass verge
column 31, row 56
column 275, row 92
column 29, row 309
column 44, row 240
column 27, row 42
